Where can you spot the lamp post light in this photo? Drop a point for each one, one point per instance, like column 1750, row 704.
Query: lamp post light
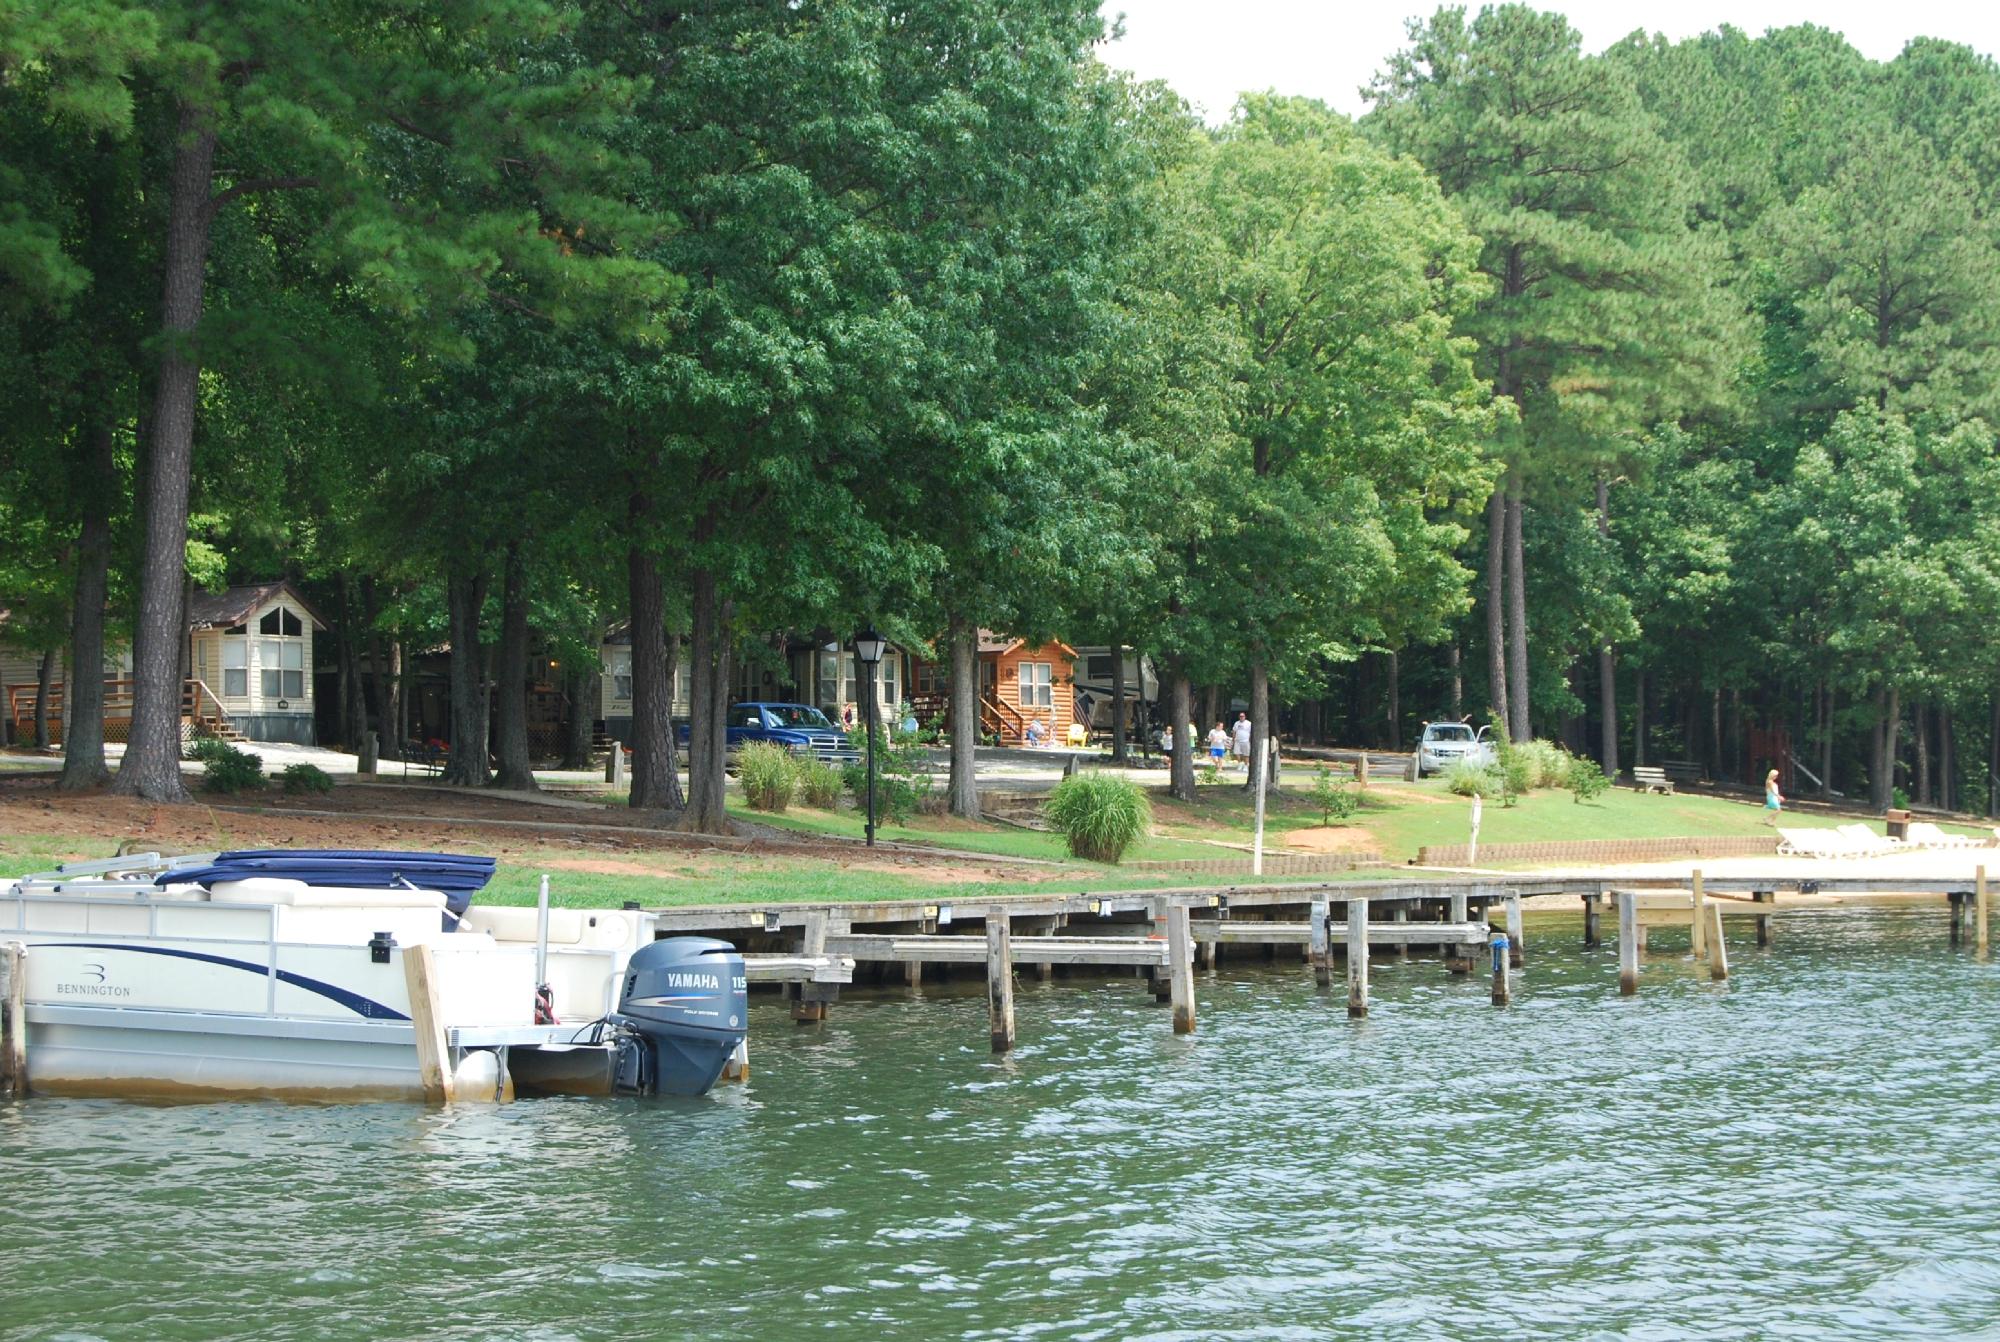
column 868, row 646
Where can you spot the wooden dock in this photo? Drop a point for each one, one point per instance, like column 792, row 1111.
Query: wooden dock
column 1166, row 936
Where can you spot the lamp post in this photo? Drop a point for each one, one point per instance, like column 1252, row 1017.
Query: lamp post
column 868, row 646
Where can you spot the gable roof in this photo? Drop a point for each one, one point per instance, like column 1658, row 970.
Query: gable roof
column 991, row 643
column 234, row 605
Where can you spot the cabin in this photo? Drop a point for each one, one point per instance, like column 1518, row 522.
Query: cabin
column 793, row 669
column 1019, row 683
column 250, row 657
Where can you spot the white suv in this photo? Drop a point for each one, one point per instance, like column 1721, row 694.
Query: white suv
column 1445, row 743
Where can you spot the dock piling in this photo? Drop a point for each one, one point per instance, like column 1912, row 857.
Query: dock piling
column 1591, row 935
column 14, row 1020
column 1517, row 937
column 1764, row 919
column 1980, row 904
column 433, row 1051
column 1319, row 947
column 1503, row 990
column 1956, row 901
column 1718, row 952
column 1628, row 943
column 1698, row 929
column 1357, row 957
column 1456, row 958
column 810, row 1006
column 1399, row 914
column 1180, row 967
column 999, row 981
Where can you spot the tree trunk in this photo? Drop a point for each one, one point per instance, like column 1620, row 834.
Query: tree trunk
column 1607, row 658
column 406, row 689
column 465, row 595
column 1457, row 681
column 1826, row 745
column 353, row 698
column 1892, row 721
column 1496, row 604
column 1181, row 770
column 1211, row 704
column 656, row 782
column 1118, row 747
column 1993, row 755
column 381, row 683
column 1260, row 720
column 1947, row 788
column 511, row 734
column 962, row 637
column 152, row 764
column 83, row 695
column 1395, row 701
column 707, row 810
column 1920, row 722
column 1638, row 717
column 45, row 675
column 1520, row 726
column 580, row 681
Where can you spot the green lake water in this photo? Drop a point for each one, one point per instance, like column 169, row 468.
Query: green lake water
column 1809, row 1151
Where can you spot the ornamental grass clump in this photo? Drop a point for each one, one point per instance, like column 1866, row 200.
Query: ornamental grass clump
column 819, row 783
column 1098, row 815
column 770, row 775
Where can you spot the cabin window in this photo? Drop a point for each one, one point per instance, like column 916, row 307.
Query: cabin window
column 284, row 668
column 280, row 622
column 683, row 682
column 619, row 663
column 236, row 665
column 1098, row 668
column 929, row 678
column 1037, row 684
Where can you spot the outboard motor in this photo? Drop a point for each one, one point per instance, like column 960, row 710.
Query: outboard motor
column 683, row 1011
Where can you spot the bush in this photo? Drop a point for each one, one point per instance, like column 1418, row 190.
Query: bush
column 1335, row 800
column 1472, row 780
column 1544, row 763
column 206, row 748
column 230, row 771
column 1099, row 816
column 300, row 779
column 903, row 784
column 769, row 775
column 819, row 783
column 1586, row 781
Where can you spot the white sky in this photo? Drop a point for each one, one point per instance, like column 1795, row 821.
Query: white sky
column 1212, row 50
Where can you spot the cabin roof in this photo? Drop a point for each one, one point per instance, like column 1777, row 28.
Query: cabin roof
column 234, row 605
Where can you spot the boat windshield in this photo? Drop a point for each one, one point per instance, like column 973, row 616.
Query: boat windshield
column 798, row 715
column 1448, row 731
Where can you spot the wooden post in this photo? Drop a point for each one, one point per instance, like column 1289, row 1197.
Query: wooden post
column 1517, row 938
column 1455, row 958
column 1957, row 903
column 1503, row 991
column 14, row 1020
column 1698, row 929
column 1206, row 951
column 1357, row 957
column 1180, row 967
column 1628, row 943
column 365, row 762
column 913, row 973
column 1592, row 936
column 1764, row 919
column 809, row 1008
column 1361, row 772
column 1979, row 910
column 999, row 981
column 614, row 766
column 1399, row 914
column 433, row 1051
column 1319, row 949
column 1718, row 953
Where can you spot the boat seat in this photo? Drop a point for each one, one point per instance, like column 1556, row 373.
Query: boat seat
column 279, row 890
column 567, row 927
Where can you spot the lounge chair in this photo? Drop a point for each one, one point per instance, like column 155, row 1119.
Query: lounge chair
column 1924, row 834
column 1865, row 842
column 1814, row 843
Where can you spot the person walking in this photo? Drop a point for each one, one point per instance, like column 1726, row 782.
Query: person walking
column 1774, row 801
column 1218, row 745
column 1239, row 739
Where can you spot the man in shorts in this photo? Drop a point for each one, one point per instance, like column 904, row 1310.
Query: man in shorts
column 1239, row 739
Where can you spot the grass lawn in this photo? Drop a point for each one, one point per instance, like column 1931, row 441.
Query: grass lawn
column 949, row 832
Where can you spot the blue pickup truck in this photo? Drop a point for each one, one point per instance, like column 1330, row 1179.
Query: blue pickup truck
column 797, row 727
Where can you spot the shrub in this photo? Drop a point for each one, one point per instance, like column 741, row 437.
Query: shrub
column 903, row 784
column 302, row 778
column 1472, row 780
column 819, row 783
column 1586, row 781
column 231, row 770
column 206, row 748
column 769, row 775
column 1335, row 800
column 1545, row 764
column 1099, row 816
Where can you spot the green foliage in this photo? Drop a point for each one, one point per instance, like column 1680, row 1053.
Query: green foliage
column 229, row 771
column 819, row 783
column 205, row 748
column 1544, row 764
column 1100, row 816
column 903, row 783
column 304, row 779
column 1585, row 779
column 1467, row 779
column 769, row 774
column 1334, row 798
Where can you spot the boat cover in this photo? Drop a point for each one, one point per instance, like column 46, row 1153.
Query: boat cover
column 456, row 876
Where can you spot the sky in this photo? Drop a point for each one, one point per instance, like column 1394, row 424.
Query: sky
column 1211, row 50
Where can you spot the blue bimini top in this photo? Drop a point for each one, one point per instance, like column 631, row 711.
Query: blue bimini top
column 456, row 876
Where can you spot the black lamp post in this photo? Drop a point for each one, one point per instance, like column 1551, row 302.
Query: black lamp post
column 868, row 646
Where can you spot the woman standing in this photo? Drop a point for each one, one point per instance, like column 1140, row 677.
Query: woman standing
column 1774, row 801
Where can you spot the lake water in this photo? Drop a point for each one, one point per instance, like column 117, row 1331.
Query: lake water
column 1806, row 1151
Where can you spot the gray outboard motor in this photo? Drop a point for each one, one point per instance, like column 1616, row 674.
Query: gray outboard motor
column 683, row 1011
